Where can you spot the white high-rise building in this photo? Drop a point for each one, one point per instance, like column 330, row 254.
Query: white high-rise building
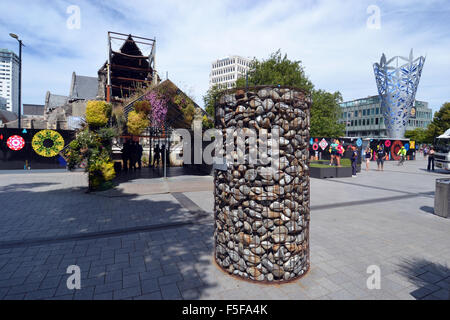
column 225, row 71
column 9, row 79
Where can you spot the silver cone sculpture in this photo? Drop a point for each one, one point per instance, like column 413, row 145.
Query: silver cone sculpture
column 397, row 81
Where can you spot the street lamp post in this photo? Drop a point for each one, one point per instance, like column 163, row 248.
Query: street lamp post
column 15, row 36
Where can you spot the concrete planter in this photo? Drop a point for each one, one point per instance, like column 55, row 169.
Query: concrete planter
column 343, row 172
column 330, row 172
column 322, row 173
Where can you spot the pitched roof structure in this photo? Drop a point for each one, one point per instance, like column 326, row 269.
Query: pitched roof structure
column 129, row 68
column 83, row 88
column 7, row 116
column 174, row 117
column 53, row 100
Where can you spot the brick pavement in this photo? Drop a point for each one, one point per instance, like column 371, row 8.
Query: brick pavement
column 381, row 218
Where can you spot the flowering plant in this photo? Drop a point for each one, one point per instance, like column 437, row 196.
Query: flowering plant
column 159, row 106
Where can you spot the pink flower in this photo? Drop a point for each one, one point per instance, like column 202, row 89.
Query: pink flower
column 159, row 108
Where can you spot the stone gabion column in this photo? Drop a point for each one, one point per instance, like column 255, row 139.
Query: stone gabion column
column 262, row 213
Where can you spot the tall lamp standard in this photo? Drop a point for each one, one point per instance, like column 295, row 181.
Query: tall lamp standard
column 15, row 36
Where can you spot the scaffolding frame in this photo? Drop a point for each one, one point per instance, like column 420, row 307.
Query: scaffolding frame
column 124, row 37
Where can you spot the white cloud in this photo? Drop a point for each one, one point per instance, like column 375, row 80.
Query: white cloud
column 329, row 37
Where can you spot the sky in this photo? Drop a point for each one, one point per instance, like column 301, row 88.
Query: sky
column 336, row 41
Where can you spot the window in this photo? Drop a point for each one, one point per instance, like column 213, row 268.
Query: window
column 364, row 112
column 359, row 122
column 356, row 114
column 378, row 110
column 371, row 121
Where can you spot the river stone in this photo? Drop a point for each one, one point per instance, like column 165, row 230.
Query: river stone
column 267, row 264
column 233, row 255
column 277, row 271
column 254, row 272
column 266, row 245
column 279, row 238
column 276, row 206
column 268, row 105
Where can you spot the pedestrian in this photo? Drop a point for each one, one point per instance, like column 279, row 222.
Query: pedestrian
column 354, row 159
column 431, row 159
column 339, row 152
column 402, row 154
column 156, row 155
column 368, row 156
column 333, row 151
column 140, row 150
column 381, row 155
column 133, row 155
column 125, row 154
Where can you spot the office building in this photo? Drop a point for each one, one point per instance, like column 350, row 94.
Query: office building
column 365, row 119
column 9, row 79
column 2, row 103
column 225, row 71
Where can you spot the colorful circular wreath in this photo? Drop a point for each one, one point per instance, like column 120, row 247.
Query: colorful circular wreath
column 15, row 143
column 47, row 143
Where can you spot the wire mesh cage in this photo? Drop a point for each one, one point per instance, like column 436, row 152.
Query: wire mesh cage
column 262, row 207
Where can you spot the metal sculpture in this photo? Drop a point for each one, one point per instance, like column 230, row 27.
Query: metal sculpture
column 397, row 81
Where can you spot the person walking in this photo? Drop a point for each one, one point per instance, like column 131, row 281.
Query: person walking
column 431, row 159
column 125, row 154
column 354, row 159
column 133, row 155
column 402, row 154
column 381, row 156
column 156, row 156
column 140, row 150
column 368, row 157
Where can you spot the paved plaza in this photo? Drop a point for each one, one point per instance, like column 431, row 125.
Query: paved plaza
column 153, row 239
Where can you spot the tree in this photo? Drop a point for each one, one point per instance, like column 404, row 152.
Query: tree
column 325, row 113
column 98, row 113
column 440, row 123
column 137, row 122
column 277, row 70
column 210, row 98
column 419, row 135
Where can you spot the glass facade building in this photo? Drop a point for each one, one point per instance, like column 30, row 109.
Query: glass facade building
column 363, row 117
column 9, row 79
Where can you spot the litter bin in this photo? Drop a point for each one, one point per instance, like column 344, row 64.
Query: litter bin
column 442, row 198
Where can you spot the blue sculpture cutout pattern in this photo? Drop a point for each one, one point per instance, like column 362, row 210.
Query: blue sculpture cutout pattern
column 397, row 81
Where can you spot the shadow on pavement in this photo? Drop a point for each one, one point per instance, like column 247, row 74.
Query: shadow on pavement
column 132, row 247
column 431, row 279
column 22, row 186
column 427, row 209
